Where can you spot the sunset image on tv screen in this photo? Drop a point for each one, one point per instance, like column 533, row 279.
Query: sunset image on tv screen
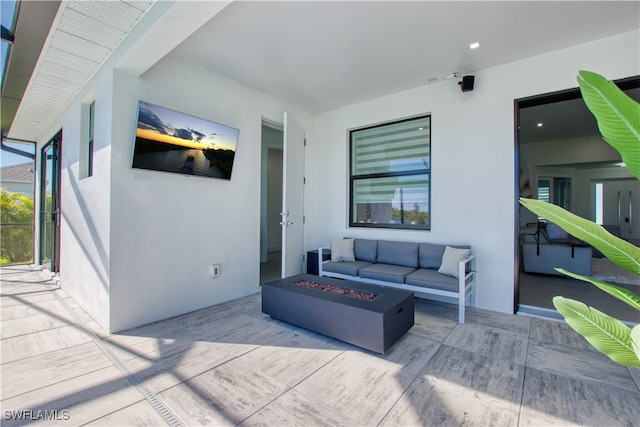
column 170, row 141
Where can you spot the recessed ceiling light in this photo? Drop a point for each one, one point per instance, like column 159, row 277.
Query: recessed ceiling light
column 474, row 45
column 539, row 124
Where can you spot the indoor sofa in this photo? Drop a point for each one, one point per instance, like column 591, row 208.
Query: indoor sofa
column 426, row 269
column 547, row 247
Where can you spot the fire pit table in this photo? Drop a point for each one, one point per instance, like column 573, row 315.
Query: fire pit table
column 368, row 316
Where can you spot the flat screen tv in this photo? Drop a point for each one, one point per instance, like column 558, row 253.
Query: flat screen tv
column 170, row 141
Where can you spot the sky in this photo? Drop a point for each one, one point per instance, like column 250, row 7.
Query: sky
column 165, row 125
column 10, row 159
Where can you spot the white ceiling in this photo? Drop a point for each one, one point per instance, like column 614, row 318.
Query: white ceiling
column 82, row 36
column 317, row 55
column 323, row 55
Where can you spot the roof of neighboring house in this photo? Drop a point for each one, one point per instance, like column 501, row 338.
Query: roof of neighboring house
column 21, row 173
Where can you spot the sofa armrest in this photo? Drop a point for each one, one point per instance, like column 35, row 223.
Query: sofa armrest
column 466, row 270
column 320, row 261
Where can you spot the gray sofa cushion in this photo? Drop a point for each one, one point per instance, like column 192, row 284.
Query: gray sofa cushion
column 385, row 272
column 431, row 255
column 366, row 250
column 398, row 253
column 429, row 278
column 349, row 267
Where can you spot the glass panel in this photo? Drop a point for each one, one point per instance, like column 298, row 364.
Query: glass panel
column 544, row 190
column 47, row 204
column 7, row 19
column 599, row 203
column 92, row 108
column 392, row 200
column 393, row 148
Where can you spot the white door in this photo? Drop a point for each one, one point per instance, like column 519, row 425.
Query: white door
column 621, row 206
column 292, row 198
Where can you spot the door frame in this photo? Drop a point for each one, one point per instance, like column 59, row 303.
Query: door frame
column 55, row 144
column 293, row 183
column 531, row 101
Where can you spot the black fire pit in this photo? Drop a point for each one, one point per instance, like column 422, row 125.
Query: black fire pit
column 374, row 324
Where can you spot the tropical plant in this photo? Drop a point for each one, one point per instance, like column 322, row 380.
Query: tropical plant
column 618, row 118
column 16, row 215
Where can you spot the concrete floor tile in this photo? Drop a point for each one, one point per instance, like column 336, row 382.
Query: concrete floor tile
column 19, row 311
column 432, row 401
column 36, row 296
column 489, row 341
column 173, row 365
column 296, row 409
column 504, row 321
column 84, row 398
column 433, row 328
column 583, row 365
column 492, row 375
column 226, row 395
column 140, row 414
column 36, row 343
column 557, row 399
column 557, row 333
column 365, row 385
column 291, row 358
column 28, row 374
column 34, row 323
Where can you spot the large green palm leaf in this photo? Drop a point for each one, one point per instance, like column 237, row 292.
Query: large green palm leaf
column 607, row 334
column 618, row 116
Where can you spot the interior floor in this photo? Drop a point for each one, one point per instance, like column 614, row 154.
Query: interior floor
column 538, row 290
column 272, row 269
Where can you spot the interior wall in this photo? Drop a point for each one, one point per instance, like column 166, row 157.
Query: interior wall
column 167, row 229
column 271, row 189
column 473, row 195
column 585, row 186
column 572, row 151
column 274, row 201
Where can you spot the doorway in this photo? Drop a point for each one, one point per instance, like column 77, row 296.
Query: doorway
column 561, row 158
column 615, row 203
column 49, row 250
column 271, row 201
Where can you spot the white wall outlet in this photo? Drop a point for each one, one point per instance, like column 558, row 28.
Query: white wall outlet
column 214, row 270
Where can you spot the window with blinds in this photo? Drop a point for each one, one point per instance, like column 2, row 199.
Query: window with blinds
column 391, row 174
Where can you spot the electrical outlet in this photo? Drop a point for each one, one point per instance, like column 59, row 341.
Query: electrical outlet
column 214, row 270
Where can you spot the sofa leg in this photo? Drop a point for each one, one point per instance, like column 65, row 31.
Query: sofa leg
column 461, row 308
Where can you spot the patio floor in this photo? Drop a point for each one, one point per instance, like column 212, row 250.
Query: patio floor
column 230, row 364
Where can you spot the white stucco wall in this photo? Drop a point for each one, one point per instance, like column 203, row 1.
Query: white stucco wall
column 166, row 229
column 85, row 226
column 473, row 156
column 85, row 220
